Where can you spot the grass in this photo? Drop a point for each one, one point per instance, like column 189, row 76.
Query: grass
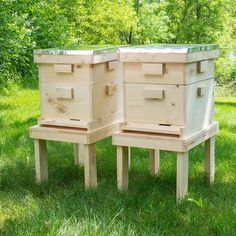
column 62, row 207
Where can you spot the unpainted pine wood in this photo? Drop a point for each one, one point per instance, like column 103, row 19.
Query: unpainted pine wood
column 154, row 156
column 129, row 157
column 122, row 167
column 63, row 68
column 168, row 57
column 199, row 109
column 41, row 161
column 175, row 73
column 203, row 66
column 164, row 142
column 79, row 154
column 153, row 68
column 112, row 65
column 181, row 175
column 78, row 107
column 153, row 128
column 192, row 75
column 71, row 59
column 90, row 167
column 64, row 92
column 151, row 93
column 81, row 74
column 210, row 159
column 169, row 110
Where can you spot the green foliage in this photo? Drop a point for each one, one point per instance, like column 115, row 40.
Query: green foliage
column 32, row 24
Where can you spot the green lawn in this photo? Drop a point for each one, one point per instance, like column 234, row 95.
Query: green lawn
column 62, row 207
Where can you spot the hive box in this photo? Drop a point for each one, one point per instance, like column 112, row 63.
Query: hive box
column 168, row 89
column 79, row 87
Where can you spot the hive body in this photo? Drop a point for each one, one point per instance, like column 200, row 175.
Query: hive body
column 79, row 88
column 168, row 88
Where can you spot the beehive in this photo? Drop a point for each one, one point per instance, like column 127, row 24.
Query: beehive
column 168, row 89
column 79, row 87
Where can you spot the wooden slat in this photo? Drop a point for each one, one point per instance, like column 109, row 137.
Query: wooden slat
column 90, row 167
column 151, row 93
column 155, row 128
column 154, row 156
column 72, row 135
column 122, row 168
column 210, row 159
column 64, row 93
column 63, row 68
column 153, row 69
column 201, row 91
column 79, row 154
column 202, row 66
column 182, row 175
column 112, row 65
column 41, row 161
column 164, row 142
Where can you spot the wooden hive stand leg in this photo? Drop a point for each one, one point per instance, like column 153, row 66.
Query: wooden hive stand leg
column 41, row 161
column 90, row 168
column 122, row 167
column 154, row 155
column 129, row 156
column 79, row 154
column 210, row 159
column 182, row 175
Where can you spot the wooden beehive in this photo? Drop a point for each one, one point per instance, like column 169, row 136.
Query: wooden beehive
column 168, row 89
column 79, row 87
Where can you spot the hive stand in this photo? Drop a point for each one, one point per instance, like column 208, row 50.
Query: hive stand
column 80, row 102
column 84, row 148
column 154, row 142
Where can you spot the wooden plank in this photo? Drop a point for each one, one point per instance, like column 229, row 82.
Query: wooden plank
column 53, row 107
column 72, row 135
column 154, row 156
column 151, row 93
column 199, row 109
column 153, row 69
column 41, row 161
column 201, row 136
column 64, row 93
column 73, row 59
column 90, row 168
column 169, row 111
column 168, row 57
column 129, row 157
column 122, row 168
column 210, row 159
column 63, row 59
column 81, row 74
column 74, row 123
column 182, row 175
column 167, row 143
column 148, row 141
column 79, row 154
column 174, row 74
column 153, row 128
column 63, row 68
column 58, row 134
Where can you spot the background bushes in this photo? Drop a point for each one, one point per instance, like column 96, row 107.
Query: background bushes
column 26, row 25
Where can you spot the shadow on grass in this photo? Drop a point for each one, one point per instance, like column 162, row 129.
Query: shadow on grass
column 228, row 104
